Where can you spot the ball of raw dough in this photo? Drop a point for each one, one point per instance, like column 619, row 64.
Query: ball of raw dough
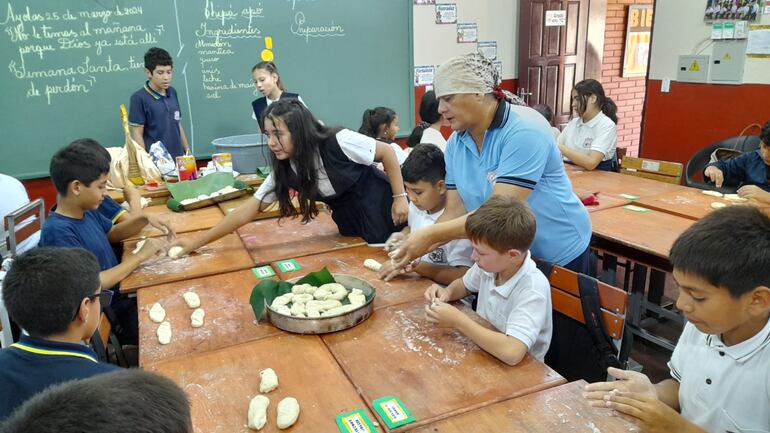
column 203, row 197
column 718, row 205
column 164, row 333
column 196, row 318
column 157, row 313
column 268, row 380
column 712, row 193
column 174, row 252
column 288, row 412
column 192, row 299
column 372, row 264
column 258, row 412
column 139, row 246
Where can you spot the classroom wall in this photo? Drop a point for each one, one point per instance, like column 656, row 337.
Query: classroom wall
column 693, row 115
column 628, row 93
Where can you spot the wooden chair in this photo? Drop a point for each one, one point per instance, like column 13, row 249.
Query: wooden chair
column 567, row 300
column 620, row 153
column 664, row 171
column 103, row 339
column 22, row 223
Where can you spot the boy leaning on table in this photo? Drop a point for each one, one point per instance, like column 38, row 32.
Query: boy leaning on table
column 720, row 367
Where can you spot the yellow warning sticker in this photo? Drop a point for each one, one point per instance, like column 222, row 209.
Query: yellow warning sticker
column 694, row 67
column 727, row 57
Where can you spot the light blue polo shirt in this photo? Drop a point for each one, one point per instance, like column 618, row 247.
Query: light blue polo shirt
column 519, row 149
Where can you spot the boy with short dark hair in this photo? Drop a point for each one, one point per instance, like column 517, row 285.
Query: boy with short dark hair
column 124, row 402
column 55, row 296
column 513, row 295
column 154, row 113
column 719, row 368
column 423, row 172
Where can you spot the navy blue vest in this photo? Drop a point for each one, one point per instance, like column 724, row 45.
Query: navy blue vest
column 260, row 105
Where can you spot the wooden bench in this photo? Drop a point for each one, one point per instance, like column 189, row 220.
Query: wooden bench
column 664, row 171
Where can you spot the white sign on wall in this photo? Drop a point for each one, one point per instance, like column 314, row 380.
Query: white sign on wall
column 555, row 18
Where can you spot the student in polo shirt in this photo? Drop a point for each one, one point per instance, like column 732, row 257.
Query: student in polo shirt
column 720, row 368
column 514, row 296
column 154, row 114
column 55, row 296
column 590, row 139
column 502, row 148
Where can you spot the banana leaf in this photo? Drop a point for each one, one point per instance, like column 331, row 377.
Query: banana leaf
column 267, row 290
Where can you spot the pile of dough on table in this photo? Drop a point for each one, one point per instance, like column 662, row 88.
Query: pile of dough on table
column 325, row 301
column 226, row 190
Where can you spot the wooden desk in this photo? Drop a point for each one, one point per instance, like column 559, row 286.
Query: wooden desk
column 230, row 205
column 182, row 222
column 268, row 241
column 229, row 318
column 407, row 288
column 650, row 232
column 161, row 194
column 225, row 255
column 436, row 372
column 558, row 409
column 609, row 183
column 606, row 201
column 221, row 383
column 687, row 203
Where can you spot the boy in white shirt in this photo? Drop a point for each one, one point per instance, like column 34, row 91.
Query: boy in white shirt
column 423, row 172
column 720, row 366
column 513, row 295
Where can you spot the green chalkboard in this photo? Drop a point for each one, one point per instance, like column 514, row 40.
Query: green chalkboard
column 71, row 63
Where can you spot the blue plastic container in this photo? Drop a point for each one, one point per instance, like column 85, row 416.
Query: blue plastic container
column 249, row 151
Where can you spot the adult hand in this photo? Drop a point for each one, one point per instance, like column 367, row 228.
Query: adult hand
column 187, row 244
column 415, row 246
column 715, row 175
column 400, row 210
column 394, row 241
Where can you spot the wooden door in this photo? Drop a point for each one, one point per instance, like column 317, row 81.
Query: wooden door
column 557, row 51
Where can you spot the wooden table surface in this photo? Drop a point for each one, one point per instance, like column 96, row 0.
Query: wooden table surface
column 224, row 255
column 436, row 372
column 687, row 203
column 269, row 240
column 221, row 383
column 606, row 201
column 182, row 222
column 652, row 232
column 610, row 183
column 407, row 288
column 229, row 317
column 162, row 191
column 558, row 409
column 230, row 205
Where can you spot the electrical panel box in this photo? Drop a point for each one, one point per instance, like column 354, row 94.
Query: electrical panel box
column 727, row 62
column 692, row 69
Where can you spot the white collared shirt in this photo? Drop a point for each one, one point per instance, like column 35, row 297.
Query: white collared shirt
column 723, row 388
column 432, row 136
column 520, row 308
column 453, row 253
column 599, row 134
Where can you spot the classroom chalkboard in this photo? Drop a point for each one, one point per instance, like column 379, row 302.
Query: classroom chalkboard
column 71, row 63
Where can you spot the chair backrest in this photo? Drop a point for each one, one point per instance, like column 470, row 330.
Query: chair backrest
column 22, row 223
column 664, row 171
column 5, row 323
column 697, row 163
column 620, row 152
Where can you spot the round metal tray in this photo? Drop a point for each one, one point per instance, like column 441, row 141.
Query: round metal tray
column 306, row 325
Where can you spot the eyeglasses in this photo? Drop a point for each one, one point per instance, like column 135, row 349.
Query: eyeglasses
column 105, row 297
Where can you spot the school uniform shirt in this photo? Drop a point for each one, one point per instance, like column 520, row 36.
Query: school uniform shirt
column 110, row 209
column 432, row 136
column 723, row 388
column 453, row 253
column 519, row 308
column 358, row 194
column 598, row 134
column 160, row 115
column 32, row 365
column 89, row 233
column 14, row 197
column 519, row 150
column 746, row 169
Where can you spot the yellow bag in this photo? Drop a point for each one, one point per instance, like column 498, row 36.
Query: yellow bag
column 131, row 164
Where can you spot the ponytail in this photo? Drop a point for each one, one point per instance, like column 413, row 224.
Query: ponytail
column 416, row 136
column 610, row 109
column 374, row 119
column 589, row 87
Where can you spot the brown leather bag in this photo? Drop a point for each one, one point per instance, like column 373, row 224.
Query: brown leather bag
column 725, row 153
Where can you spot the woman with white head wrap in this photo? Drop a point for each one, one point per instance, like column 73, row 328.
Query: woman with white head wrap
column 500, row 147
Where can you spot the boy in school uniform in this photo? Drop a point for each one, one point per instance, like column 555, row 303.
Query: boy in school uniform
column 513, row 295
column 423, row 173
column 55, row 296
column 79, row 173
column 720, row 366
column 154, row 113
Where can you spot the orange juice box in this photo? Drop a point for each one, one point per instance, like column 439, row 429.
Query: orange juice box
column 223, row 162
column 186, row 167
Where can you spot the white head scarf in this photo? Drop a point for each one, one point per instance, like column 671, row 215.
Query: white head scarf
column 470, row 73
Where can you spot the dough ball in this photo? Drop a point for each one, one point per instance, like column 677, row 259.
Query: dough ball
column 192, row 299
column 164, row 333
column 258, row 412
column 157, row 313
column 196, row 318
column 174, row 252
column 268, row 380
column 139, row 246
column 735, row 198
column 288, row 412
column 712, row 193
column 718, row 205
column 187, row 201
column 203, row 197
column 373, row 265
column 283, row 310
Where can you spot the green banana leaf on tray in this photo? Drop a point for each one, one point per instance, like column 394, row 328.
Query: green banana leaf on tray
column 205, row 185
column 267, row 290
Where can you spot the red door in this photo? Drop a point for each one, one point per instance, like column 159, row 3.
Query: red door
column 560, row 43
